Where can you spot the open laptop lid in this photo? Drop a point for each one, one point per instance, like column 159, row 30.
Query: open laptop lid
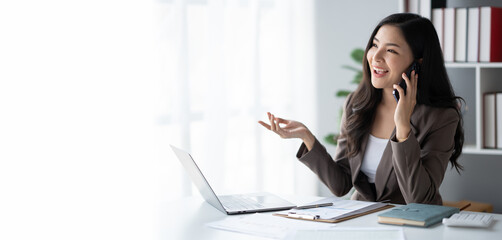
column 198, row 178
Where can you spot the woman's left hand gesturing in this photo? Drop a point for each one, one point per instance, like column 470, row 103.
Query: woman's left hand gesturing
column 405, row 106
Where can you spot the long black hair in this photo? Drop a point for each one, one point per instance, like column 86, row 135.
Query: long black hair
column 434, row 87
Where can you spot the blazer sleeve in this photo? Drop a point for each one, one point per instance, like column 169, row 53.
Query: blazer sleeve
column 420, row 167
column 335, row 174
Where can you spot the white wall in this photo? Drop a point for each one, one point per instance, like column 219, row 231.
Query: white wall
column 478, row 182
column 341, row 26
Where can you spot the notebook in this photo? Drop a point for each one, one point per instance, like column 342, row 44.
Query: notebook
column 230, row 204
column 417, row 214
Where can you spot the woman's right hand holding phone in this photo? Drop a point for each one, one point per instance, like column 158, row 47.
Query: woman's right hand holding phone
column 290, row 129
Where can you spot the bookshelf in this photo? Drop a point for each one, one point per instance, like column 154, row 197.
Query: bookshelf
column 470, row 80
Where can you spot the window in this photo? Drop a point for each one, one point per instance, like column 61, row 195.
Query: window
column 224, row 65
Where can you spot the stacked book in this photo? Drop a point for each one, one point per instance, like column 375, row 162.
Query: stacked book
column 492, row 120
column 469, row 34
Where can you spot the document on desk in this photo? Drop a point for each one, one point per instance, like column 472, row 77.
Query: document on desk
column 340, row 210
column 348, row 234
column 266, row 225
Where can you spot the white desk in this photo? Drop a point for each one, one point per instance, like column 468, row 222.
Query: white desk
column 186, row 219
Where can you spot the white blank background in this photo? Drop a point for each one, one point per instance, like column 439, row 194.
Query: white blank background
column 76, row 120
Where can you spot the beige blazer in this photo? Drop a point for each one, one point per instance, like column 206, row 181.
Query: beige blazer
column 409, row 171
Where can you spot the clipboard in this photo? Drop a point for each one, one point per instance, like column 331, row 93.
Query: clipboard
column 376, row 207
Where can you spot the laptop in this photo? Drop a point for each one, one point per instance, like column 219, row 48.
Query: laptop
column 230, row 204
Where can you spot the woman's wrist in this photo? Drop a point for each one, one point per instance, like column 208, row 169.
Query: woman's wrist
column 309, row 140
column 402, row 133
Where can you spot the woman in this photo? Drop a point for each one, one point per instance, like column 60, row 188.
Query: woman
column 391, row 150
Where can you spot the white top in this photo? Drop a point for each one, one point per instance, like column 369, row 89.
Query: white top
column 372, row 156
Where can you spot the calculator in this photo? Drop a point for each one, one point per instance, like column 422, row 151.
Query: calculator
column 468, row 220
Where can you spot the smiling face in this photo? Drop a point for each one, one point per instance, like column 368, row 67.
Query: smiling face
column 389, row 56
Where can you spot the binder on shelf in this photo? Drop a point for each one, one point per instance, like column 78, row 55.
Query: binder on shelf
column 425, row 8
column 413, row 6
column 421, row 7
column 490, row 49
column 437, row 21
column 489, row 120
column 460, row 34
column 473, row 34
column 449, row 35
column 498, row 119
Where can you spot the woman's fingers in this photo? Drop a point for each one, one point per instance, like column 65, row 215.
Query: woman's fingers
column 275, row 124
column 406, row 79
column 289, row 129
column 412, row 85
column 277, row 127
column 416, row 81
column 272, row 124
column 280, row 120
column 264, row 124
column 400, row 90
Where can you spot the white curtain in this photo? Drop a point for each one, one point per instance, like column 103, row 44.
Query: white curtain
column 225, row 64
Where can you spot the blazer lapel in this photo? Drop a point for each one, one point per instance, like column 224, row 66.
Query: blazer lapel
column 356, row 161
column 384, row 170
column 385, row 166
column 361, row 183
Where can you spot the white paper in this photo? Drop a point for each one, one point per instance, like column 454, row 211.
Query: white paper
column 266, row 225
column 348, row 234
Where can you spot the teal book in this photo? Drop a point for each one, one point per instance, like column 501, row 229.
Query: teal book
column 417, row 214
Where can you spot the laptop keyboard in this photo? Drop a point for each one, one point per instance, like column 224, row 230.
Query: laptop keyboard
column 232, row 203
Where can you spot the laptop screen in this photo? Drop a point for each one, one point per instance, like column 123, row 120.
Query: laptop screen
column 198, row 178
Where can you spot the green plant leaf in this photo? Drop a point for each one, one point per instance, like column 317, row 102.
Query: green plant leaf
column 331, row 138
column 358, row 78
column 351, row 68
column 343, row 93
column 357, row 55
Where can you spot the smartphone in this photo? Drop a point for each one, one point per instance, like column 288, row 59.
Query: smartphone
column 414, row 66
